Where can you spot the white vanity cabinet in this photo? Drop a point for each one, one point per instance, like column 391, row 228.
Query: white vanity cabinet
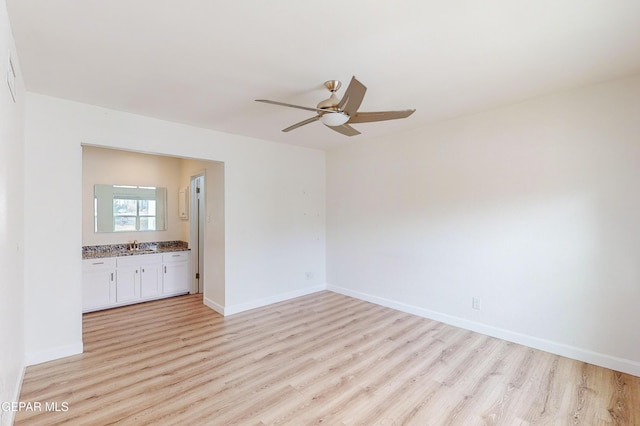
column 176, row 273
column 116, row 281
column 151, row 277
column 98, row 283
column 138, row 277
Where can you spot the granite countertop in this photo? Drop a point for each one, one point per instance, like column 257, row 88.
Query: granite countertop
column 116, row 250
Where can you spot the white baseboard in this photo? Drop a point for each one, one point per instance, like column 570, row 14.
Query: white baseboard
column 603, row 360
column 52, row 354
column 213, row 305
column 241, row 307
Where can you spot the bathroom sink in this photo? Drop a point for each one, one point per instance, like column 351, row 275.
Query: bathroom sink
column 143, row 251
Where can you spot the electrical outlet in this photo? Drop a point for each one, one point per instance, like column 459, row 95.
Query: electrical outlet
column 476, row 303
column 309, row 275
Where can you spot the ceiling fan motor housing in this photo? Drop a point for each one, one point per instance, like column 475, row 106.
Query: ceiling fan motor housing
column 330, row 104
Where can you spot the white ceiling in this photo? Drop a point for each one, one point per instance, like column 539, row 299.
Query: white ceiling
column 203, row 62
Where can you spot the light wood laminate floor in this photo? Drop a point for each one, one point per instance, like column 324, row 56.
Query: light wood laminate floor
column 318, row 359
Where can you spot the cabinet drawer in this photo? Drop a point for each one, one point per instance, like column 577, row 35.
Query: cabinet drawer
column 175, row 256
column 97, row 264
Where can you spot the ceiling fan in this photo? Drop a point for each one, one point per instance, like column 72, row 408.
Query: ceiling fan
column 339, row 114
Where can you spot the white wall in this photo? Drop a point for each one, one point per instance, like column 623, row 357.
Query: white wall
column 11, row 223
column 274, row 212
column 533, row 208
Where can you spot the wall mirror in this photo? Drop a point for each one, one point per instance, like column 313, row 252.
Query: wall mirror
column 129, row 208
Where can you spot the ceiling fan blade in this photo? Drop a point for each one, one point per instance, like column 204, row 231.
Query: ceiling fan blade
column 345, row 129
column 266, row 101
column 367, row 117
column 352, row 97
column 302, row 123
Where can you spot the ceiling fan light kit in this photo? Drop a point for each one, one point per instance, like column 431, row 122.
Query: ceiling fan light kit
column 333, row 119
column 338, row 114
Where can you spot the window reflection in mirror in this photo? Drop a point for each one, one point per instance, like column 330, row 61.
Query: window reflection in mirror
column 128, row 208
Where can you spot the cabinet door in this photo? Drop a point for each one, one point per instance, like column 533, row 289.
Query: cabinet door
column 151, row 280
column 98, row 289
column 176, row 278
column 128, row 283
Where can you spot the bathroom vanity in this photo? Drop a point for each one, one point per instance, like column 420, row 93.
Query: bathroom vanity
column 118, row 275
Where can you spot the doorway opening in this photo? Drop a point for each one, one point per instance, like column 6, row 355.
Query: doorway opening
column 102, row 164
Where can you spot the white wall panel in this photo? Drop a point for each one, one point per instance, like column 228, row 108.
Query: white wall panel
column 532, row 208
column 11, row 221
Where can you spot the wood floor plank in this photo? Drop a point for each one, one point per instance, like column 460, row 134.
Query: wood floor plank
column 319, row 359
